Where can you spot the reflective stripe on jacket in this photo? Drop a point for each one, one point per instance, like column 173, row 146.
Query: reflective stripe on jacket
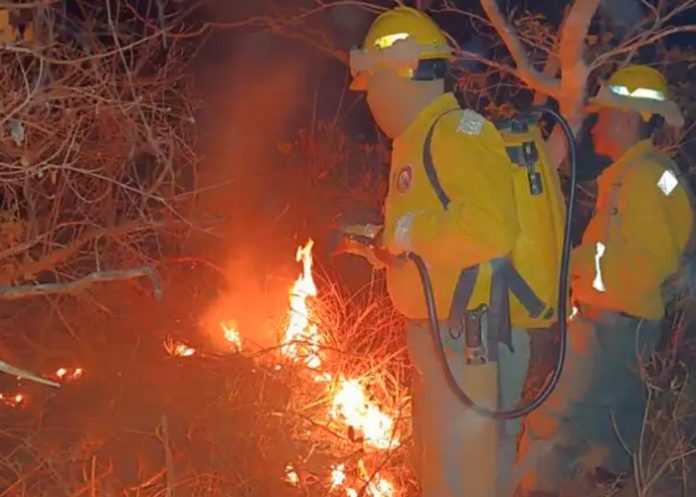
column 636, row 238
column 479, row 224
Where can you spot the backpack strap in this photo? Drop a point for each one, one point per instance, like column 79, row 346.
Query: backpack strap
column 498, row 312
column 430, row 166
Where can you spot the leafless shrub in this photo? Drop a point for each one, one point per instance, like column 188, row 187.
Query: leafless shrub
column 97, row 167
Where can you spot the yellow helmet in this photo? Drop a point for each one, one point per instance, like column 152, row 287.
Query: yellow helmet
column 639, row 81
column 402, row 36
column 641, row 89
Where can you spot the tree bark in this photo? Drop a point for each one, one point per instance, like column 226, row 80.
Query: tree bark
column 574, row 69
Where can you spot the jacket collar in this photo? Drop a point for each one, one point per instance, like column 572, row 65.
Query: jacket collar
column 643, row 147
column 423, row 121
column 640, row 149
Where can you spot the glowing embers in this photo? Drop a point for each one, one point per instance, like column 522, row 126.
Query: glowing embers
column 66, row 374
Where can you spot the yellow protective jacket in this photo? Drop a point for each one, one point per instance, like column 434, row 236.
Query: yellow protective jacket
column 480, row 223
column 635, row 240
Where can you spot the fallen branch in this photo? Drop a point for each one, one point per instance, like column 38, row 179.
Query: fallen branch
column 52, row 259
column 9, row 292
column 27, row 375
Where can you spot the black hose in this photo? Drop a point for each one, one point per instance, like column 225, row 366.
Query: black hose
column 562, row 301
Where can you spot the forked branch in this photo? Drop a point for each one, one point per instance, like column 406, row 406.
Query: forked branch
column 525, row 71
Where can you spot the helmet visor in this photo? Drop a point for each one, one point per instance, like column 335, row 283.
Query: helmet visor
column 402, row 54
column 644, row 103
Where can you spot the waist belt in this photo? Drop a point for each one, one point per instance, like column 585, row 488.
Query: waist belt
column 504, row 278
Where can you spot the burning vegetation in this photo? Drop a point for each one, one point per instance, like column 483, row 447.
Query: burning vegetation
column 159, row 383
column 314, row 415
column 344, row 420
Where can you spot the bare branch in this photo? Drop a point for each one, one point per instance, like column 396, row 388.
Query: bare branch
column 642, row 41
column 8, row 292
column 525, row 71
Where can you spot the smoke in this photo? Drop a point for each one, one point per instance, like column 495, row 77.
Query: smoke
column 623, row 14
column 255, row 85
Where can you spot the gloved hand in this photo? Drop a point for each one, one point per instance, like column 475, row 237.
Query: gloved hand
column 366, row 241
column 361, row 240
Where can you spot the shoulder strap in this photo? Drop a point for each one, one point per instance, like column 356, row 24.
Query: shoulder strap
column 430, row 166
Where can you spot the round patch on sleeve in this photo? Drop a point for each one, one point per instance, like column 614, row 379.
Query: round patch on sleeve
column 404, row 179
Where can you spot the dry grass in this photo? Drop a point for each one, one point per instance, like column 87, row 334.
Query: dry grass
column 363, row 341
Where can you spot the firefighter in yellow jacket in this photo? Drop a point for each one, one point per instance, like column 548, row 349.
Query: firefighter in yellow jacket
column 633, row 243
column 401, row 67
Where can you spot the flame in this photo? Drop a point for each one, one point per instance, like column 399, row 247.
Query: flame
column 338, row 476
column 68, row 374
column 377, row 486
column 12, row 400
column 232, row 335
column 351, row 403
column 291, row 475
column 381, row 488
column 176, row 348
column 300, row 333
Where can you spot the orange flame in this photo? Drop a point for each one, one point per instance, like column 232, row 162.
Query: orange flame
column 232, row 335
column 301, row 333
column 176, row 348
column 351, row 403
column 377, row 486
